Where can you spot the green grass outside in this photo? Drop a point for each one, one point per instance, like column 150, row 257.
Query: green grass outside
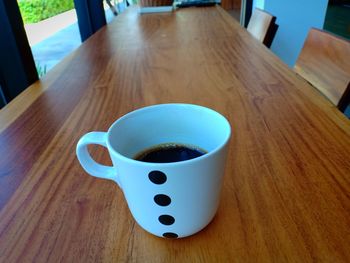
column 34, row 11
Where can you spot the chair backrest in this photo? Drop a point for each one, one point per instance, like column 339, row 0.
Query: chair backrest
column 324, row 61
column 262, row 26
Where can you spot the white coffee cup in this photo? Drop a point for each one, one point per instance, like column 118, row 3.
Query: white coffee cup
column 174, row 199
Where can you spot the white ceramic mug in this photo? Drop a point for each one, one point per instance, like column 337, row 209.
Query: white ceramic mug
column 174, row 199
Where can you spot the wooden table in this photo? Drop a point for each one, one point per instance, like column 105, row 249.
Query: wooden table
column 286, row 192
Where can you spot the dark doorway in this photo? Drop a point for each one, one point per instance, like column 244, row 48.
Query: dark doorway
column 337, row 18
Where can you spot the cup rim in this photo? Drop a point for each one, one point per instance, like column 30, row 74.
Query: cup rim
column 127, row 115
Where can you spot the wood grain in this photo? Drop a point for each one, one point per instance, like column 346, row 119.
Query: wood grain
column 231, row 4
column 324, row 61
column 286, row 192
column 260, row 24
column 29, row 95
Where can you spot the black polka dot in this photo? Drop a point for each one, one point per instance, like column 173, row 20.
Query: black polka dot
column 166, row 220
column 170, row 235
column 157, row 177
column 162, row 200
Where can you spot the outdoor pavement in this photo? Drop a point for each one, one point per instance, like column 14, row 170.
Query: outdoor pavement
column 54, row 38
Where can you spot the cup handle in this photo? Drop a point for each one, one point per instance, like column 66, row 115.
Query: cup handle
column 90, row 165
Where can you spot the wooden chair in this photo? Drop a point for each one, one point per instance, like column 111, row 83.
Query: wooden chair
column 324, row 61
column 112, row 7
column 262, row 26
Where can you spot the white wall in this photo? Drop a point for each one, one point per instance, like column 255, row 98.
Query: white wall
column 294, row 18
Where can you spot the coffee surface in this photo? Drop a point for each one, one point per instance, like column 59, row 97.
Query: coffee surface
column 169, row 153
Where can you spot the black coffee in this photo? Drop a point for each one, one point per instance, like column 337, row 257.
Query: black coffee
column 169, row 153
